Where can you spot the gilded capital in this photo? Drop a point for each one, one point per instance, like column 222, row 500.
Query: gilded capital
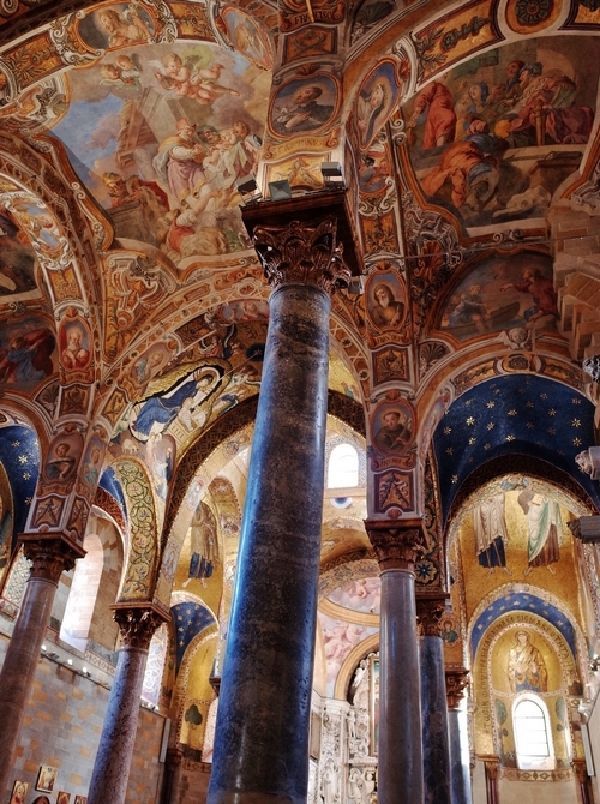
column 49, row 556
column 137, row 623
column 430, row 610
column 302, row 253
column 457, row 680
column 396, row 542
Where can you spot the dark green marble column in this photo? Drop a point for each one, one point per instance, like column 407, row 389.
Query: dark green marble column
column 261, row 740
column 434, row 707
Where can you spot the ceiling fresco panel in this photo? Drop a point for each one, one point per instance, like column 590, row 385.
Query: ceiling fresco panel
column 161, row 136
column 492, row 140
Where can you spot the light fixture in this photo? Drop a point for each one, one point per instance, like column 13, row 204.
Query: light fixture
column 280, row 190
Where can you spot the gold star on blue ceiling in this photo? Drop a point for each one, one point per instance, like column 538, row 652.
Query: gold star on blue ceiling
column 526, row 411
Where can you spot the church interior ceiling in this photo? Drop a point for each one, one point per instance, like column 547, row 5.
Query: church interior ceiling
column 131, row 298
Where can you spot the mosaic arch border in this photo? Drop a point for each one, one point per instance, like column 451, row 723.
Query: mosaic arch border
column 484, row 713
column 140, row 567
column 520, row 465
column 543, row 595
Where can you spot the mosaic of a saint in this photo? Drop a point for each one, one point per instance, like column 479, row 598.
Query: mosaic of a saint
column 526, row 666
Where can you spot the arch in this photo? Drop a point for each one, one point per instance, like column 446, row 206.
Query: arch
column 346, row 671
column 488, row 716
column 77, row 619
column 538, row 602
column 506, row 416
column 523, row 465
column 183, row 499
column 140, row 565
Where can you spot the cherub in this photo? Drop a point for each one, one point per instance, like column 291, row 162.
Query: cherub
column 125, row 70
column 191, row 81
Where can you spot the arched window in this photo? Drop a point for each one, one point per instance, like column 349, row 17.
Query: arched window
column 533, row 736
column 343, row 467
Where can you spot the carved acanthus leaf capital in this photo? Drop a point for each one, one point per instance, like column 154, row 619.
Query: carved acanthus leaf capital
column 397, row 542
column 49, row 556
column 137, row 623
column 457, row 681
column 301, row 253
column 430, row 610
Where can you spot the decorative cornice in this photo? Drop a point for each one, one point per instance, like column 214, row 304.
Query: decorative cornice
column 430, row 610
column 50, row 555
column 396, row 542
column 457, row 681
column 304, row 254
column 137, row 623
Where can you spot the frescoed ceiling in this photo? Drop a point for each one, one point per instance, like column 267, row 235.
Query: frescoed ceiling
column 464, row 131
column 514, row 415
column 480, row 138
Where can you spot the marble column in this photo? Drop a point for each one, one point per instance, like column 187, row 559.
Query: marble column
column 434, row 709
column 137, row 624
column 400, row 766
column 460, row 781
column 261, row 742
column 49, row 557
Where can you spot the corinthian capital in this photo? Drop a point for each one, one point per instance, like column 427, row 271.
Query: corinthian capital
column 50, row 554
column 456, row 682
column 137, row 623
column 302, row 253
column 430, row 610
column 396, row 543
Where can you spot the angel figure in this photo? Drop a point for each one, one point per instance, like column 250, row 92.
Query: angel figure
column 191, row 80
column 125, row 71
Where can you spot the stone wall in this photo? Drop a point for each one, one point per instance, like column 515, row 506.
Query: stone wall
column 62, row 726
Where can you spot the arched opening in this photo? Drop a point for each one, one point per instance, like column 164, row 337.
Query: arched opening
column 343, row 469
column 533, row 734
column 75, row 627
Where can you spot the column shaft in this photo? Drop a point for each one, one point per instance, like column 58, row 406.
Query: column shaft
column 137, row 623
column 460, row 788
column 436, row 756
column 23, row 652
column 400, row 769
column 115, row 752
column 261, row 745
